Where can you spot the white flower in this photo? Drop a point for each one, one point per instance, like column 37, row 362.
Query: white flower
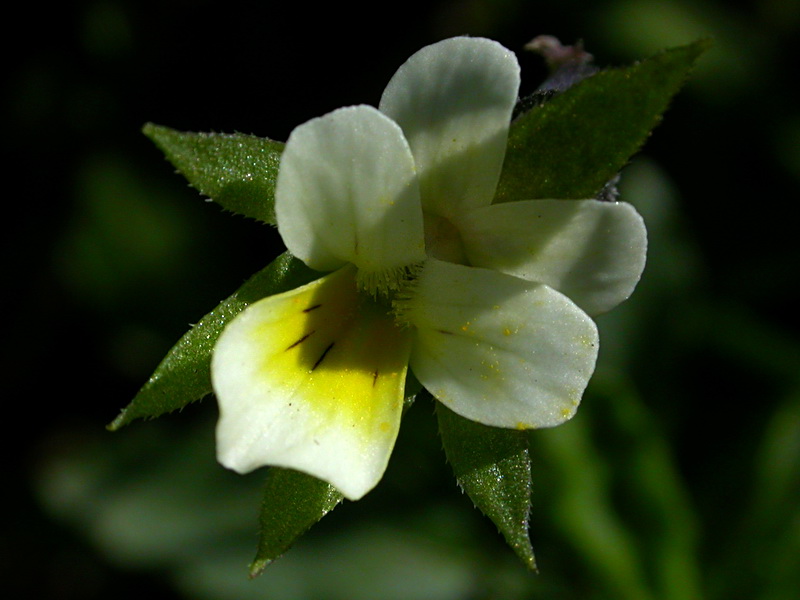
column 313, row 379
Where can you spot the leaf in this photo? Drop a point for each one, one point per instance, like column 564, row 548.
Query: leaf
column 237, row 171
column 293, row 502
column 492, row 466
column 572, row 145
column 184, row 375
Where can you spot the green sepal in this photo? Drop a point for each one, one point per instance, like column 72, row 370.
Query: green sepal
column 293, row 502
column 237, row 171
column 492, row 466
column 184, row 375
column 572, row 145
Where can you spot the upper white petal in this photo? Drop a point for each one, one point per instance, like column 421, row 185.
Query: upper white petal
column 498, row 349
column 592, row 251
column 454, row 100
column 347, row 191
column 312, row 380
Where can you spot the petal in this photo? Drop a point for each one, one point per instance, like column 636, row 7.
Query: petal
column 312, row 380
column 594, row 252
column 347, row 192
column 454, row 100
column 498, row 349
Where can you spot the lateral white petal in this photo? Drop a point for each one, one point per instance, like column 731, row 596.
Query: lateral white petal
column 594, row 252
column 312, row 380
column 347, row 191
column 498, row 349
column 453, row 100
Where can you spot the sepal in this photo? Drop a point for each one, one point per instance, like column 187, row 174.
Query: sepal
column 184, row 375
column 493, row 468
column 237, row 171
column 292, row 503
column 572, row 145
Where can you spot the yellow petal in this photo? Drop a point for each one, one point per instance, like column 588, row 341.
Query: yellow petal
column 312, row 380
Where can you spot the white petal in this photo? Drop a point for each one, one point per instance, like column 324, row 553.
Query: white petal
column 454, row 100
column 594, row 252
column 312, row 380
column 347, row 192
column 497, row 349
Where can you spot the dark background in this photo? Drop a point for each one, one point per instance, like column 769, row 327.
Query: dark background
column 678, row 479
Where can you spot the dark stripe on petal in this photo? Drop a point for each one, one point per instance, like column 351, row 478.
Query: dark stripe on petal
column 319, row 360
column 300, row 341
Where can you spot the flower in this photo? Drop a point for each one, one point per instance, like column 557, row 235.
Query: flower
column 396, row 205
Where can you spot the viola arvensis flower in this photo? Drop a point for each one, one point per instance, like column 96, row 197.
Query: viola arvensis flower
column 489, row 304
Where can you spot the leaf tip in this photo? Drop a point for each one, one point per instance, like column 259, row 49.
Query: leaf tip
column 692, row 50
column 151, row 130
column 525, row 553
column 258, row 566
column 698, row 47
column 704, row 43
column 119, row 422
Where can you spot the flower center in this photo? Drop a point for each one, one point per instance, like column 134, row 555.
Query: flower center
column 384, row 283
column 442, row 240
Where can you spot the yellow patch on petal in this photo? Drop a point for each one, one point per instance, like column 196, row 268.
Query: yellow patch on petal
column 341, row 351
column 313, row 379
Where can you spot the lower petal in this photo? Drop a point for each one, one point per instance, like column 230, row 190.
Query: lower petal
column 312, row 380
column 497, row 349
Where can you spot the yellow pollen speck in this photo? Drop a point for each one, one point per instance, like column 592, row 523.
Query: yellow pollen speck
column 385, row 427
column 567, row 412
column 492, row 367
column 521, row 426
column 507, row 331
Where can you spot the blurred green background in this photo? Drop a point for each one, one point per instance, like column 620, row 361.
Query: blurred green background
column 678, row 479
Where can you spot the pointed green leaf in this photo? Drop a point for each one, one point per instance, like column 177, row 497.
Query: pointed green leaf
column 237, row 171
column 572, row 145
column 493, row 467
column 293, row 502
column 184, row 375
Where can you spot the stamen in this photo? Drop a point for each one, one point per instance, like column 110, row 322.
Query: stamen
column 387, row 281
column 403, row 301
